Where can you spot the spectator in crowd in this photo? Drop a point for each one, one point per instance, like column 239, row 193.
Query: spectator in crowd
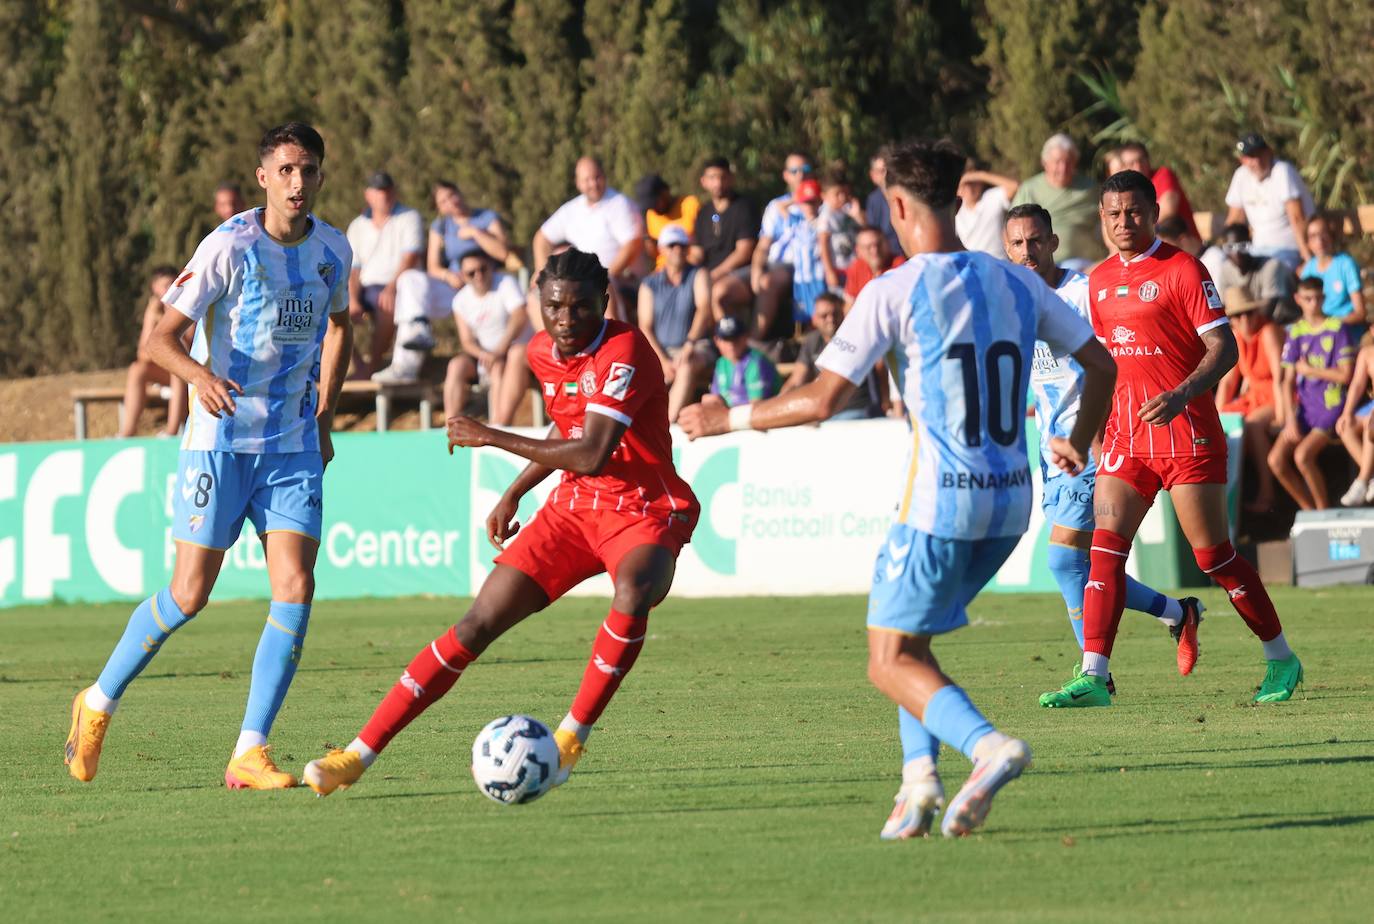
column 1354, row 429
column 825, row 320
column 228, row 200
column 1263, row 279
column 801, row 250
column 742, row 375
column 771, row 272
column 387, row 239
column 1271, row 197
column 1174, row 231
column 1071, row 200
column 426, row 294
column 1338, row 271
column 1248, row 389
column 493, row 331
column 598, row 220
column 876, row 212
column 872, row 259
column 837, row 225
column 143, row 371
column 661, row 208
column 984, row 199
column 726, row 233
column 1173, row 201
column 675, row 315
column 1112, row 162
column 1317, row 368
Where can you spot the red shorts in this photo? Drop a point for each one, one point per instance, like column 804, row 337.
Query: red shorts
column 560, row 548
column 1147, row 476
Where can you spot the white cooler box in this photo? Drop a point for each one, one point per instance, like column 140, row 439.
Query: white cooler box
column 1333, row 547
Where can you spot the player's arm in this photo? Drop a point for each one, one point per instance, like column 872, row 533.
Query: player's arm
column 335, row 352
column 1099, row 384
column 1220, row 356
column 586, row 455
column 501, row 522
column 811, row 403
column 167, row 349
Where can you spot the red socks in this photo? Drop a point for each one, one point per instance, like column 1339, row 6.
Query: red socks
column 431, row 674
column 614, row 652
column 1104, row 596
column 1242, row 583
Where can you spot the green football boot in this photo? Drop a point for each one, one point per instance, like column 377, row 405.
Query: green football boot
column 1082, row 690
column 1281, row 678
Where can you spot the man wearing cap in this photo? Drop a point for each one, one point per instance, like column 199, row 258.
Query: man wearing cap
column 387, row 239
column 674, row 312
column 743, row 375
column 1267, row 281
column 661, row 208
column 1271, row 197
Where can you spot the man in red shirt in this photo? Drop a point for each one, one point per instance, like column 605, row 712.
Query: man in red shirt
column 1169, row 194
column 1159, row 314
column 872, row 258
column 620, row 508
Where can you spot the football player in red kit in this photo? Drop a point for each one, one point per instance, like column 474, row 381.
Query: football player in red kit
column 620, row 508
column 1160, row 316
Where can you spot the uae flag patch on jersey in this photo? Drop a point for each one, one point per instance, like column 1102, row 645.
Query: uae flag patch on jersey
column 570, row 389
column 1123, row 291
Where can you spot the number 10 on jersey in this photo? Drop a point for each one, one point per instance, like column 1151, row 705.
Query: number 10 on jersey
column 1000, row 369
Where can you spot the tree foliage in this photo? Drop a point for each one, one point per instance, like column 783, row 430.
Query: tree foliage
column 121, row 116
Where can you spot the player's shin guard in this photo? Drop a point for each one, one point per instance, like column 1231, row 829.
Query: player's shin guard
column 1104, row 597
column 1242, row 583
column 430, row 675
column 274, row 665
column 614, row 652
column 1070, row 566
column 151, row 624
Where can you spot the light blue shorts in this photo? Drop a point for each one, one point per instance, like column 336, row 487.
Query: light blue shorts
column 1068, row 499
column 216, row 491
column 922, row 583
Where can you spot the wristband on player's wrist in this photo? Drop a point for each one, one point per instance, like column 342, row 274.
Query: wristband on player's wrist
column 742, row 417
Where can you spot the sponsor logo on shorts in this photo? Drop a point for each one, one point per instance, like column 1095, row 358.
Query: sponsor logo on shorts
column 618, row 381
column 1148, row 291
column 587, row 383
column 195, row 521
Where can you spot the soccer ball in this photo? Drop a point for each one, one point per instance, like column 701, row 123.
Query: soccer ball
column 514, row 759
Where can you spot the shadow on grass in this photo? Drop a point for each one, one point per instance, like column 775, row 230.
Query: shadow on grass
column 1173, row 766
column 1149, row 827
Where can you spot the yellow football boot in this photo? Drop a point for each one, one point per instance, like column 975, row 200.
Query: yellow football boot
column 338, row 769
column 85, row 739
column 254, row 769
column 570, row 751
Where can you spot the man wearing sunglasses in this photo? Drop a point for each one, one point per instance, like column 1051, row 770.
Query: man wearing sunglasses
column 770, row 275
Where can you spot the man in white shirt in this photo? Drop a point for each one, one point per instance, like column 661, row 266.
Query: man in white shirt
column 984, row 199
column 1270, row 196
column 493, row 330
column 387, row 239
column 600, row 221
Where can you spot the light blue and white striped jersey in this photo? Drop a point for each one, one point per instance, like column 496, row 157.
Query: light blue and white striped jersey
column 261, row 308
column 958, row 331
column 1056, row 377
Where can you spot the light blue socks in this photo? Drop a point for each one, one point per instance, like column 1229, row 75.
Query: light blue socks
column 952, row 717
column 152, row 623
column 274, row 665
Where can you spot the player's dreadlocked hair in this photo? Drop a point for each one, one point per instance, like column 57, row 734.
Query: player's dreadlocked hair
column 572, row 265
column 929, row 170
column 1130, row 181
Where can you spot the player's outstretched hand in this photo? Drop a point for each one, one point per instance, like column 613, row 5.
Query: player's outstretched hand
column 1064, row 455
column 1162, row 408
column 215, row 394
column 501, row 522
column 698, row 420
column 464, row 431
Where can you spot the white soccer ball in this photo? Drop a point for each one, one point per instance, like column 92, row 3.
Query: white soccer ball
column 514, row 759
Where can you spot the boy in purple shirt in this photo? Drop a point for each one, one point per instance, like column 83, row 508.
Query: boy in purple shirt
column 742, row 375
column 1317, row 365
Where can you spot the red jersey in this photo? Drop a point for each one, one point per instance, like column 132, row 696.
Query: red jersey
column 1165, row 180
column 618, row 375
column 1150, row 313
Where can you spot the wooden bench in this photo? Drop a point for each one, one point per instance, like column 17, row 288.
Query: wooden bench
column 81, row 397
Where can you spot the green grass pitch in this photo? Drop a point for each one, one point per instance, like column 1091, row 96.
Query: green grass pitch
column 742, row 774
